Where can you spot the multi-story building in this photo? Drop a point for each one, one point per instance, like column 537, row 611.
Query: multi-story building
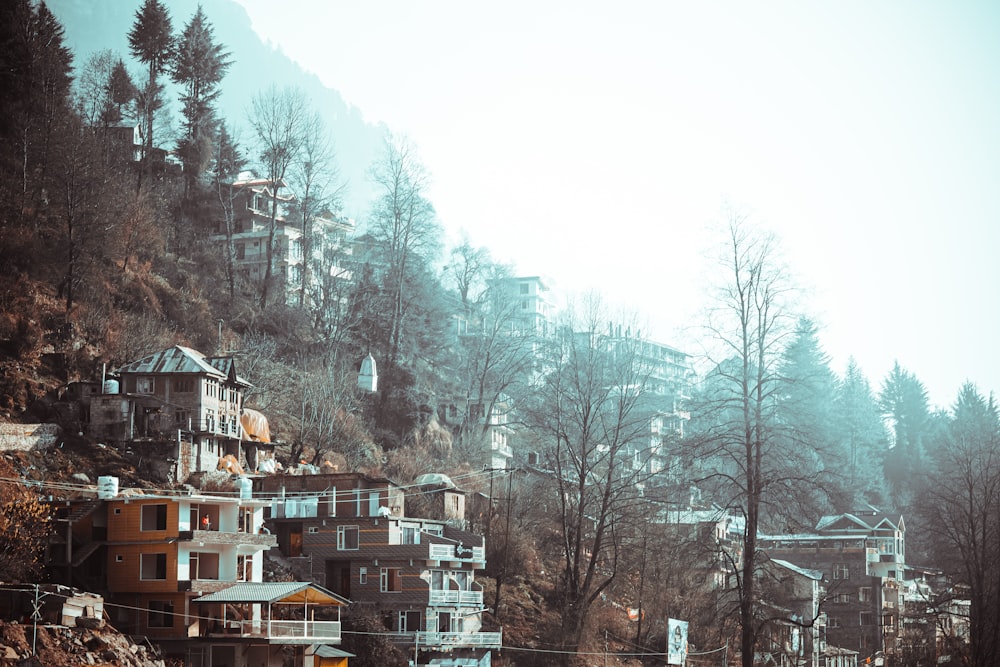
column 350, row 533
column 185, row 409
column 794, row 634
column 186, row 570
column 862, row 557
column 527, row 302
column 248, row 210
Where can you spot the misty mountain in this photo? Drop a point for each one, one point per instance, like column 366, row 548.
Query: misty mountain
column 93, row 25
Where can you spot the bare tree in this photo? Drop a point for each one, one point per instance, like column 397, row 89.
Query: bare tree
column 589, row 419
column 735, row 433
column 315, row 178
column 403, row 221
column 278, row 119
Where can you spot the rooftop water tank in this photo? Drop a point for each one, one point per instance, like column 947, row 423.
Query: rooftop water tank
column 111, row 386
column 107, row 487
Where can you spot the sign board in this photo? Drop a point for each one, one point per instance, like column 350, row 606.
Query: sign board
column 677, row 641
column 462, row 551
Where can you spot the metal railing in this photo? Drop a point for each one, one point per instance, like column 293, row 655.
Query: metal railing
column 459, row 639
column 456, row 598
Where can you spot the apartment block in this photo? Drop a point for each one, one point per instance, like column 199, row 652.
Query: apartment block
column 351, row 534
column 862, row 558
column 186, row 571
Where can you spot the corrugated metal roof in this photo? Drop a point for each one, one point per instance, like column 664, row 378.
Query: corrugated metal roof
column 326, row 651
column 177, row 359
column 273, row 592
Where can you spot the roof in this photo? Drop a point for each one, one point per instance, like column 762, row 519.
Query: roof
column 180, row 359
column 809, row 574
column 434, row 479
column 325, row 651
column 273, row 592
column 849, row 521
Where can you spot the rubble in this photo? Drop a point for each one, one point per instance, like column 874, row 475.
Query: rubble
column 61, row 646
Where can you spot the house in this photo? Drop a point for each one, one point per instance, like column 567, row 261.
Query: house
column 184, row 410
column 794, row 636
column 350, row 533
column 862, row 557
column 158, row 559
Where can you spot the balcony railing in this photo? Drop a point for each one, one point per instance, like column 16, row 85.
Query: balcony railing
column 224, row 537
column 459, row 639
column 465, row 598
column 457, row 553
column 279, row 631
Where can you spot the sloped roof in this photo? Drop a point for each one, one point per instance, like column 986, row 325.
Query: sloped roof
column 176, row 359
column 180, row 359
column 273, row 592
column 809, row 574
column 326, row 651
column 847, row 521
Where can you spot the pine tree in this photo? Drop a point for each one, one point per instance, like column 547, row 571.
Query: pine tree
column 151, row 41
column 199, row 65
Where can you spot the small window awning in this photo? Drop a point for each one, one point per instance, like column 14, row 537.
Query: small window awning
column 274, row 592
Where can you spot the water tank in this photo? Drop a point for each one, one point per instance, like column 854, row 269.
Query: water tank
column 107, row 487
column 245, row 485
column 111, row 386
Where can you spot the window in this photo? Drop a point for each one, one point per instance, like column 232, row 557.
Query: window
column 183, row 385
column 347, row 538
column 888, row 621
column 144, row 385
column 313, row 530
column 153, row 566
column 841, row 598
column 524, row 288
column 867, row 618
column 161, row 614
column 833, row 622
column 865, row 594
column 439, row 580
column 119, row 558
column 409, row 621
column 363, row 575
column 182, row 418
column 241, row 251
column 391, row 580
column 841, row 571
column 154, row 517
column 409, row 534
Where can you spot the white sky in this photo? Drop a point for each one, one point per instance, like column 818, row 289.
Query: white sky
column 594, row 143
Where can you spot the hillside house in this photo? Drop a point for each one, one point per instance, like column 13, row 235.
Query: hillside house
column 862, row 558
column 158, row 558
column 350, row 533
column 185, row 412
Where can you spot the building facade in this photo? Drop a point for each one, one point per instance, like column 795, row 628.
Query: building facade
column 158, row 558
column 184, row 409
column 350, row 533
column 862, row 558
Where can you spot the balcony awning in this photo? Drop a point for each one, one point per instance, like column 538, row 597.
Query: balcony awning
column 274, row 592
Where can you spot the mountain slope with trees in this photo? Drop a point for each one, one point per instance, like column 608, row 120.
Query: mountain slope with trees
column 106, row 259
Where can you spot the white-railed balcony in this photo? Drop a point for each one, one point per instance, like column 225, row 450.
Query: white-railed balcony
column 446, row 640
column 461, row 598
column 455, row 552
column 282, row 631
